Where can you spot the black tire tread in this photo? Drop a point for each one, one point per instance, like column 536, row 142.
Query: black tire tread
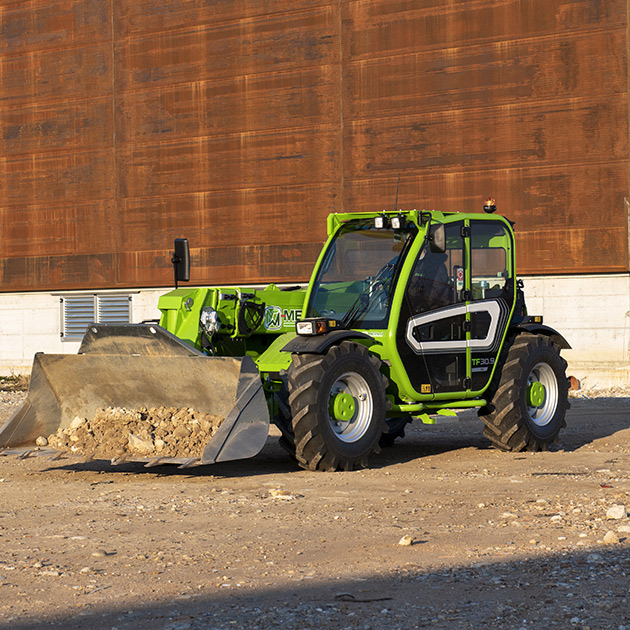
column 504, row 425
column 304, row 377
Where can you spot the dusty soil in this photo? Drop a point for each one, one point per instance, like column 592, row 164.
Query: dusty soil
column 499, row 540
column 154, row 432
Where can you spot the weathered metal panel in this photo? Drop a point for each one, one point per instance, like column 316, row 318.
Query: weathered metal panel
column 69, row 229
column 503, row 99
column 211, row 50
column 243, row 104
column 226, row 264
column 249, row 216
column 380, row 28
column 505, row 73
column 58, row 177
column 58, row 272
column 244, row 160
column 65, row 126
column 57, row 74
column 242, row 124
column 530, row 133
column 45, row 24
column 543, row 202
column 135, row 17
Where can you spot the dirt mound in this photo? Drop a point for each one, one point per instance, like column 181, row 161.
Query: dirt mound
column 143, row 432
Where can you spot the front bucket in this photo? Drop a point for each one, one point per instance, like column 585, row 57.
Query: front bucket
column 66, row 386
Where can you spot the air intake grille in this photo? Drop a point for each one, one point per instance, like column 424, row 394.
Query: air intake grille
column 79, row 311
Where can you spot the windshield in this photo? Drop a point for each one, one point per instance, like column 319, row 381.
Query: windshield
column 357, row 276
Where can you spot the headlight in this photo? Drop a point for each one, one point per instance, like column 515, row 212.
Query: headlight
column 316, row 326
column 305, row 328
column 209, row 320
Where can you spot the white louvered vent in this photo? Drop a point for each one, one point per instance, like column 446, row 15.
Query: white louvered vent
column 77, row 314
column 113, row 309
column 79, row 311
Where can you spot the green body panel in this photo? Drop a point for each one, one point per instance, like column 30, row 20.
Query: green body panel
column 273, row 359
column 181, row 310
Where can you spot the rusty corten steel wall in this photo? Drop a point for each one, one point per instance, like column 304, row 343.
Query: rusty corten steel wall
column 126, row 123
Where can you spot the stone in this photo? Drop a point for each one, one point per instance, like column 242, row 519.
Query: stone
column 406, row 541
column 611, row 538
column 41, row 441
column 77, row 422
column 140, row 446
column 277, row 493
column 617, row 512
column 181, row 432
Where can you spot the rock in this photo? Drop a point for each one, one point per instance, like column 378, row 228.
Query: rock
column 41, row 441
column 277, row 493
column 406, row 541
column 617, row 512
column 624, row 529
column 594, row 558
column 181, row 432
column 100, row 553
column 611, row 538
column 77, row 422
column 140, row 446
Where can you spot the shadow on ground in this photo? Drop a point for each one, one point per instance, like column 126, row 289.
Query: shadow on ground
column 588, row 420
column 570, row 590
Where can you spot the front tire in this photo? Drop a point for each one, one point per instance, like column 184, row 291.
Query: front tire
column 530, row 398
column 338, row 407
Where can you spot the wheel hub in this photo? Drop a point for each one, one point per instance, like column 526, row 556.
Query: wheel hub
column 536, row 394
column 350, row 407
column 541, row 394
column 342, row 407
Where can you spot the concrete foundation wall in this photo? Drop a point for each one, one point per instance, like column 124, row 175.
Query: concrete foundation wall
column 31, row 322
column 592, row 312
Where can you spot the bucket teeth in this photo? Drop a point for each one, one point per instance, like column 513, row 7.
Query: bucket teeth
column 193, row 461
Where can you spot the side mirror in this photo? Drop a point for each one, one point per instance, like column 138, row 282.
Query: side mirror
column 181, row 261
column 437, row 238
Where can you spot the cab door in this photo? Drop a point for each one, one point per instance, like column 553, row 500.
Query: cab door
column 492, row 295
column 432, row 331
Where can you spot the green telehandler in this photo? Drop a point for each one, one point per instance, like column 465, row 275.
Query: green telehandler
column 407, row 314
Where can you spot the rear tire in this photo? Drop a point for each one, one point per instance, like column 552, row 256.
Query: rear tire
column 530, row 399
column 338, row 407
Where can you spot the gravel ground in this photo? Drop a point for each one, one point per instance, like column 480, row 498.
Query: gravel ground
column 498, row 540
